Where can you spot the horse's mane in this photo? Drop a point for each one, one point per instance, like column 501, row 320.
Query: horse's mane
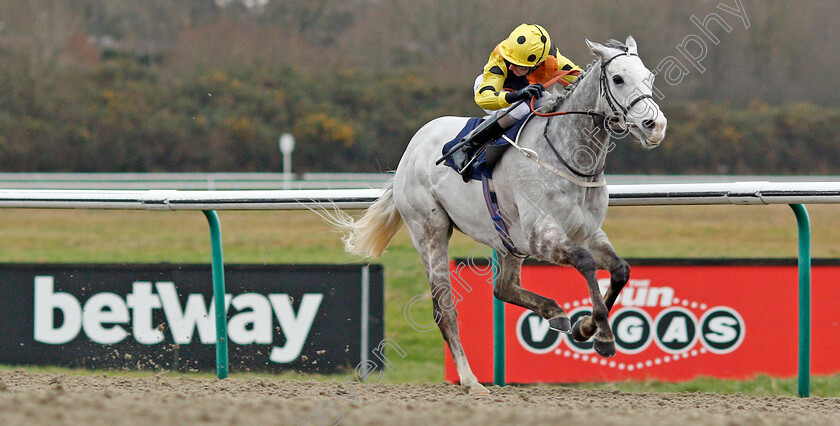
column 556, row 100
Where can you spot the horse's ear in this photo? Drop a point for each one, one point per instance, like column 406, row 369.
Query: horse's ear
column 598, row 49
column 631, row 45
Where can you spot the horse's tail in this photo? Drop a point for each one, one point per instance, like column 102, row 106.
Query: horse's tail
column 369, row 235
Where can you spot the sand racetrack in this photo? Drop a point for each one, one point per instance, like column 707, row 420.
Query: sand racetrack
column 32, row 398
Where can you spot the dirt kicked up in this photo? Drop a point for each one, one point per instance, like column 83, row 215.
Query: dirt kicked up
column 32, row 398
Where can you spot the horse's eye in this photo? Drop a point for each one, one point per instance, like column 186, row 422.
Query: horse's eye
column 618, row 80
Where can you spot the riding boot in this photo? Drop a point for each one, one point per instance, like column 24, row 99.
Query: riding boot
column 486, row 132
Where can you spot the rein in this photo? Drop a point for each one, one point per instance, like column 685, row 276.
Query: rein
column 612, row 101
column 558, row 78
column 567, row 165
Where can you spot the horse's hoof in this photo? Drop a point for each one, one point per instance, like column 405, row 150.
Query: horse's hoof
column 561, row 324
column 478, row 389
column 577, row 334
column 605, row 349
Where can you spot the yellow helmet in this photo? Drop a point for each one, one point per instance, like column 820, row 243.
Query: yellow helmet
column 526, row 46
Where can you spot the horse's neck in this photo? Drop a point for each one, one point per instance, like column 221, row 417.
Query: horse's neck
column 574, row 133
column 585, row 95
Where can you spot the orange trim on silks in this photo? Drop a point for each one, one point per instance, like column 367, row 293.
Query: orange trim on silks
column 558, row 77
column 545, row 71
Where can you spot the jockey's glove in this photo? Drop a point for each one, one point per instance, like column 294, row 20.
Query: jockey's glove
column 534, row 90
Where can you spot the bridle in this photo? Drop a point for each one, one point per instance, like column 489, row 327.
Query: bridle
column 617, row 113
column 608, row 94
column 615, row 107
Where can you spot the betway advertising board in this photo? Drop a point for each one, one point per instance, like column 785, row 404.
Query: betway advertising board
column 675, row 320
column 314, row 318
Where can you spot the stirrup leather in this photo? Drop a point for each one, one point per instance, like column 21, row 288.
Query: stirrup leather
column 486, row 132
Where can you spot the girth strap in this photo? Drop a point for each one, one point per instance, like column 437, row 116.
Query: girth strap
column 499, row 220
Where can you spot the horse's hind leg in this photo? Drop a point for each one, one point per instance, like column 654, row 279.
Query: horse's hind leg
column 431, row 238
column 508, row 288
column 550, row 243
column 606, row 257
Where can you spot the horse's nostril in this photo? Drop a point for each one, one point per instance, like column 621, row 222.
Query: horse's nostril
column 648, row 124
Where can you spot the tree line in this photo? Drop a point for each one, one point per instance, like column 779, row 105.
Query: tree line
column 206, row 85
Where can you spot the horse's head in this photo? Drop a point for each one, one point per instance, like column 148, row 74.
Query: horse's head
column 627, row 91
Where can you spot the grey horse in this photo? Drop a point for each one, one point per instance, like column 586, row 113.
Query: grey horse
column 550, row 191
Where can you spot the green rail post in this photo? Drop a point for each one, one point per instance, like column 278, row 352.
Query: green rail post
column 804, row 225
column 804, row 266
column 218, row 294
column 498, row 330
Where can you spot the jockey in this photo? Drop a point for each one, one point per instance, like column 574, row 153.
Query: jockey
column 517, row 69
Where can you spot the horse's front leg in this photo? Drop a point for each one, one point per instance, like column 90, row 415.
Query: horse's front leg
column 550, row 243
column 604, row 253
column 606, row 258
column 508, row 288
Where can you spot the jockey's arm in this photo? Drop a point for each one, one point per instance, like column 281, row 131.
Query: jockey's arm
column 489, row 94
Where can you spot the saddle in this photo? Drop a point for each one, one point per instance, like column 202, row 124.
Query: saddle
column 487, row 157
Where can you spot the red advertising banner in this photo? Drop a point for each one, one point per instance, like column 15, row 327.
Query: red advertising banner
column 675, row 320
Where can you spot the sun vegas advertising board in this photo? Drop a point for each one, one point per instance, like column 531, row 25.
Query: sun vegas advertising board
column 675, row 320
column 314, row 318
